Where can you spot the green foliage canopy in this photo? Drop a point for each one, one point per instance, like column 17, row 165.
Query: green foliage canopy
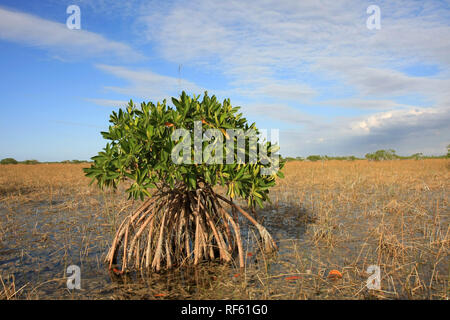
column 30, row 162
column 314, row 158
column 9, row 161
column 382, row 155
column 140, row 149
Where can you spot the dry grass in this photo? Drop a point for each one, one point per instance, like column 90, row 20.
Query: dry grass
column 343, row 215
column 43, row 182
column 393, row 214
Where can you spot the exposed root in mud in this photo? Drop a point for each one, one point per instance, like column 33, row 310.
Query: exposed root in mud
column 177, row 228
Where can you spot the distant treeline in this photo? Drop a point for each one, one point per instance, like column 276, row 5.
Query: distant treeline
column 318, row 157
column 14, row 161
column 378, row 155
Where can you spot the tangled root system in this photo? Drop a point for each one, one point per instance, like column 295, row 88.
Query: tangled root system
column 177, row 228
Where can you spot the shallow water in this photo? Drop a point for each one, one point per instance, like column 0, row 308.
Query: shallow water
column 43, row 239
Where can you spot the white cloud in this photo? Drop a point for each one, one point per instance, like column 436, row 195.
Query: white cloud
column 58, row 39
column 146, row 84
column 247, row 42
column 408, row 131
column 283, row 90
column 382, row 82
column 108, row 102
column 369, row 104
column 321, row 54
column 289, row 50
column 415, row 119
column 280, row 113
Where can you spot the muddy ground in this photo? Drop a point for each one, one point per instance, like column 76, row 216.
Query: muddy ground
column 324, row 216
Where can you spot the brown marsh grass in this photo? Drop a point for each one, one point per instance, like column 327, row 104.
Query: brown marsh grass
column 331, row 215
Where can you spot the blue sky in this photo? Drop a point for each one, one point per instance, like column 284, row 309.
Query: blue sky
column 311, row 69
